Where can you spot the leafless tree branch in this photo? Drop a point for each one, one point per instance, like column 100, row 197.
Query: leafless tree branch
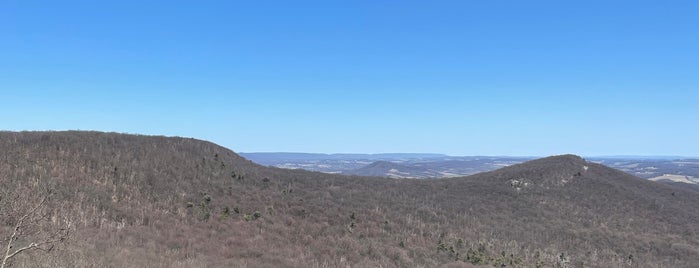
column 28, row 219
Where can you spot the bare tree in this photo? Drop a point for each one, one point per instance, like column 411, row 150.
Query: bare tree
column 28, row 215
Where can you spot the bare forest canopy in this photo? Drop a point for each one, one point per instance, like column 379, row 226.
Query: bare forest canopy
column 148, row 201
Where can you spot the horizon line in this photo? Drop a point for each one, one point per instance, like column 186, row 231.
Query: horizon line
column 633, row 156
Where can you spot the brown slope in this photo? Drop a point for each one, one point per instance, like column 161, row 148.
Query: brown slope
column 141, row 201
column 578, row 206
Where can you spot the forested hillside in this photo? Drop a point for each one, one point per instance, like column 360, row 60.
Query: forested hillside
column 146, row 201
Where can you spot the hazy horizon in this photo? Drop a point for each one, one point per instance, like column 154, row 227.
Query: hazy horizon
column 466, row 155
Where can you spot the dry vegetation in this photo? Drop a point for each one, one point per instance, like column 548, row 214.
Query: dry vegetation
column 141, row 201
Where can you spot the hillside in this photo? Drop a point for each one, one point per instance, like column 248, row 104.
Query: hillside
column 145, row 201
column 391, row 170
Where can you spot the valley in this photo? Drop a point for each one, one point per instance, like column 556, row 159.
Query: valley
column 677, row 169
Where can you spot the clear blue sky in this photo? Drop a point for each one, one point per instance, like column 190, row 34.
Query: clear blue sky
column 457, row 77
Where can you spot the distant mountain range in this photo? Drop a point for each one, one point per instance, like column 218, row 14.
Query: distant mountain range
column 275, row 157
column 386, row 165
column 663, row 169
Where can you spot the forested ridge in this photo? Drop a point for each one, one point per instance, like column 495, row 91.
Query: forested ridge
column 152, row 201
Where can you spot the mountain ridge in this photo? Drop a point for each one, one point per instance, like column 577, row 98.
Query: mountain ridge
column 151, row 200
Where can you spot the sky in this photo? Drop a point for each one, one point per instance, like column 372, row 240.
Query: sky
column 460, row 77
